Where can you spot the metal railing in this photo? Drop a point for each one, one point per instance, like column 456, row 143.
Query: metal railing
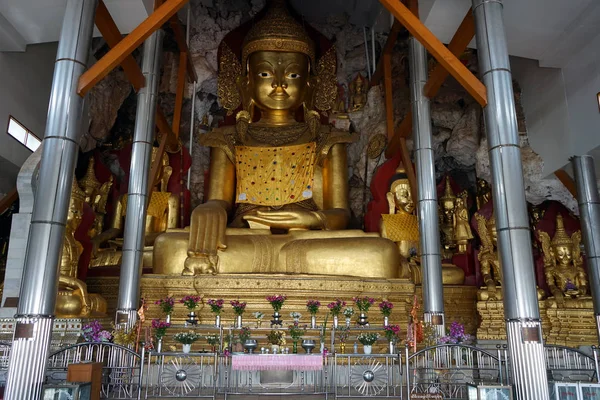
column 360, row 375
column 565, row 364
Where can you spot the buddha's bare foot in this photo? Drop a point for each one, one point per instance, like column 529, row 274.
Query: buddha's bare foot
column 199, row 266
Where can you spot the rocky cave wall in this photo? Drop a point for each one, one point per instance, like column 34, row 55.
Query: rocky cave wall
column 458, row 129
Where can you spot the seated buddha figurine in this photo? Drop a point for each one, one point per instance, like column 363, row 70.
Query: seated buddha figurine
column 162, row 213
column 73, row 299
column 447, row 205
column 359, row 97
column 284, row 183
column 402, row 227
column 563, row 263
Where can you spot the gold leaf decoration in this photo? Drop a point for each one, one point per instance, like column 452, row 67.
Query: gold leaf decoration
column 229, row 70
column 326, row 90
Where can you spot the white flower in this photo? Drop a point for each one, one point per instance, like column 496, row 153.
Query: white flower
column 295, row 315
column 258, row 315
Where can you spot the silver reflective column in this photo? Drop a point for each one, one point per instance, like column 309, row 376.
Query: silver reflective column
column 589, row 213
column 137, row 197
column 427, row 207
column 35, row 312
column 521, row 309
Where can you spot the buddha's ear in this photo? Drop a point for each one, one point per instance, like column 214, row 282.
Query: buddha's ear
column 243, row 86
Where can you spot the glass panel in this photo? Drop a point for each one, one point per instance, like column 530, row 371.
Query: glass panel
column 32, row 142
column 16, row 130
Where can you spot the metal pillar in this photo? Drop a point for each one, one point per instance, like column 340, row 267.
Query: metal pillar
column 137, row 198
column 35, row 313
column 521, row 309
column 589, row 213
column 427, row 207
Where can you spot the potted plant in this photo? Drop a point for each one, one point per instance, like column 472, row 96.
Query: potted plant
column 238, row 308
column 296, row 334
column 166, row 306
column 94, row 332
column 386, row 309
column 213, row 342
column 216, row 307
column 348, row 313
column 392, row 333
column 367, row 339
column 335, row 308
column 245, row 339
column 186, row 339
column 363, row 304
column 456, row 335
column 276, row 339
column 313, row 307
column 191, row 302
column 160, row 330
column 295, row 316
column 342, row 333
column 276, row 302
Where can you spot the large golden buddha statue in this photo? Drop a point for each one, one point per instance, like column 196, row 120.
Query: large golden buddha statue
column 283, row 183
column 563, row 263
column 488, row 258
column 73, row 299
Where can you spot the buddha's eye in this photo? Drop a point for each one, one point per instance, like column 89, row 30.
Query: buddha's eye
column 265, row 74
column 293, row 75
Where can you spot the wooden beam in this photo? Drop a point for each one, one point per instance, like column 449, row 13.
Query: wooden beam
column 387, row 49
column 161, row 122
column 129, row 43
column 438, row 50
column 8, row 200
column 567, row 181
column 463, row 36
column 179, row 94
column 183, row 47
column 403, row 131
column 410, row 171
column 389, row 102
column 110, row 32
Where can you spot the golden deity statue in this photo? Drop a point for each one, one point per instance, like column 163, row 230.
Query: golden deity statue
column 96, row 195
column 359, row 97
column 447, row 205
column 563, row 263
column 73, row 299
column 162, row 213
column 285, row 180
column 488, row 259
column 462, row 228
column 484, row 193
column 401, row 226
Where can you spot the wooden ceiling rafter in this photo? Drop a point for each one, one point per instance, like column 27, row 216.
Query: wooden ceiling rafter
column 387, row 49
column 567, row 181
column 179, row 33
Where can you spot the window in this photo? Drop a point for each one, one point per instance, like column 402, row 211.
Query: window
column 22, row 134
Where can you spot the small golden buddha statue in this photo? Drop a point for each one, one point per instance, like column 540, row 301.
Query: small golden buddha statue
column 563, row 263
column 447, row 204
column 359, row 97
column 462, row 228
column 96, row 195
column 73, row 299
column 285, row 180
column 484, row 193
column 488, row 259
column 162, row 213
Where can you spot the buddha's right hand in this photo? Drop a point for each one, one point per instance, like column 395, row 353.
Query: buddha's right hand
column 207, row 229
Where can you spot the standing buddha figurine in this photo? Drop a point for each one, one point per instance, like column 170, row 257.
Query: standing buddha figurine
column 447, row 204
column 462, row 228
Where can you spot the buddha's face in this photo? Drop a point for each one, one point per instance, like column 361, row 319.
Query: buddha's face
column 278, row 80
column 448, row 209
column 563, row 254
column 74, row 214
column 403, row 198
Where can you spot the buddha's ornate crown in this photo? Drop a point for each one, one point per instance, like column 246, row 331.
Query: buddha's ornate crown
column 278, row 31
column 89, row 180
column 560, row 236
column 448, row 193
column 399, row 178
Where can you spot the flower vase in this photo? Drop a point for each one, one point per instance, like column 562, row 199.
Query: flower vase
column 295, row 347
column 386, row 320
column 363, row 319
column 392, row 345
column 367, row 348
column 322, row 346
column 217, row 321
column 238, row 321
column 276, row 319
column 168, row 318
column 348, row 321
column 258, row 323
column 187, row 348
column 335, row 321
column 313, row 322
column 343, row 348
column 159, row 345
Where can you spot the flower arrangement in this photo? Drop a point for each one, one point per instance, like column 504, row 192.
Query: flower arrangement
column 276, row 337
column 244, row 334
column 160, row 328
column 277, row 301
column 238, row 306
column 258, row 315
column 335, row 307
column 348, row 312
column 456, row 335
column 212, row 340
column 363, row 303
column 296, row 332
column 391, row 332
column 367, row 338
column 343, row 332
column 313, row 306
column 295, row 315
column 190, row 302
column 95, row 333
column 166, row 305
column 386, row 308
column 123, row 336
column 186, row 337
column 216, row 305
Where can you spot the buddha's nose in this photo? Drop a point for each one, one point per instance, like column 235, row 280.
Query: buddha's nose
column 279, row 83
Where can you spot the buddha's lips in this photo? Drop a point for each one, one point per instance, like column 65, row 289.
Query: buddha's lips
column 279, row 96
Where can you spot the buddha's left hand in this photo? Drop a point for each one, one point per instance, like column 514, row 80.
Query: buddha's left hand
column 298, row 219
